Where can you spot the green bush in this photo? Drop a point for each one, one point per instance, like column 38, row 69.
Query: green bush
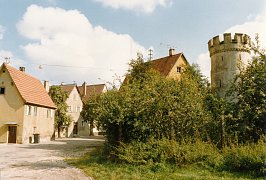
column 243, row 158
column 169, row 151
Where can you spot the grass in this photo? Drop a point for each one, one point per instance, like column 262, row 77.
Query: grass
column 98, row 168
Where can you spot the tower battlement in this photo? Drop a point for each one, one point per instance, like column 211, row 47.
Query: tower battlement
column 227, row 54
column 238, row 43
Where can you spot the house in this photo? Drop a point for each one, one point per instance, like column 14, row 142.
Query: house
column 74, row 107
column 26, row 110
column 170, row 66
column 86, row 92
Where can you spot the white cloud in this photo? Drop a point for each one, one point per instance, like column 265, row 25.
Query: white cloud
column 2, row 30
column 204, row 62
column 251, row 27
column 145, row 6
column 68, row 38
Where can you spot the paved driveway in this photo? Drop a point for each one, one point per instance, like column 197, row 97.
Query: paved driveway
column 44, row 161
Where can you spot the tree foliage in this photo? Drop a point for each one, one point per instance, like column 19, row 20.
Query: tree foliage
column 59, row 98
column 89, row 111
column 249, row 103
column 149, row 105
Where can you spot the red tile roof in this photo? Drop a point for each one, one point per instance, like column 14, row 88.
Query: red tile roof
column 164, row 65
column 31, row 89
column 91, row 90
column 68, row 88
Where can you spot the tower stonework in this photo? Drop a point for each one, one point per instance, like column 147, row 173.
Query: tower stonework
column 227, row 56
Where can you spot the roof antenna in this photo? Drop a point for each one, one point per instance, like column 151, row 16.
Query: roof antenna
column 7, row 60
column 150, row 54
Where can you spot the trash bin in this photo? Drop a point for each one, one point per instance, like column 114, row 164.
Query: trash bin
column 36, row 138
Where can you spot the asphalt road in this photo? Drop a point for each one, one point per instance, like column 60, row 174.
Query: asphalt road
column 45, row 160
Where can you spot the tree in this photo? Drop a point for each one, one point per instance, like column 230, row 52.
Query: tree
column 89, row 111
column 59, row 97
column 149, row 105
column 249, row 103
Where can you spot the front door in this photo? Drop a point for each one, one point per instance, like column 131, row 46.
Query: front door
column 12, row 134
column 75, row 130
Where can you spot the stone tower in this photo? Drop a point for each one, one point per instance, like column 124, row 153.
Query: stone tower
column 227, row 56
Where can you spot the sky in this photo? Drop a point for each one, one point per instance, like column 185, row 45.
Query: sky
column 67, row 41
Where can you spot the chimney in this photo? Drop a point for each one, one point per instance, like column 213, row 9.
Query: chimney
column 84, row 86
column 46, row 85
column 22, row 69
column 171, row 51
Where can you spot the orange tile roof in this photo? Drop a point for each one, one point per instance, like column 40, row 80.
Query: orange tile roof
column 31, row 89
column 91, row 90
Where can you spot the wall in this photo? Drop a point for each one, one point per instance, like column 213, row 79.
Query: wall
column 11, row 108
column 74, row 101
column 180, row 63
column 228, row 55
column 41, row 123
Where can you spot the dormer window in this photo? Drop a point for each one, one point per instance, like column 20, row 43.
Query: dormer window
column 2, row 90
column 178, row 69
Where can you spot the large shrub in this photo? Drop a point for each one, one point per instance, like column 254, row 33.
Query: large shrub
column 245, row 158
column 169, row 151
column 152, row 106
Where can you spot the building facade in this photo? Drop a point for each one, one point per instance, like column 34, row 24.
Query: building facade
column 74, row 108
column 26, row 110
column 86, row 92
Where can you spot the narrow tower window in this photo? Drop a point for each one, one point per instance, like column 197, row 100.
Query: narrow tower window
column 220, row 83
column 239, row 56
column 222, row 58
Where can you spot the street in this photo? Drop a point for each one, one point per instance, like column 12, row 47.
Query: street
column 45, row 160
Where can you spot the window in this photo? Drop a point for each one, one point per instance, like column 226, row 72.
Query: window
column 2, row 90
column 49, row 113
column 35, row 110
column 239, row 56
column 69, row 109
column 28, row 110
column 220, row 83
column 78, row 109
column 222, row 58
column 52, row 113
column 178, row 69
column 82, row 123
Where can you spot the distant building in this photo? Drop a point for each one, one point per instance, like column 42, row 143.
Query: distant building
column 170, row 66
column 86, row 92
column 227, row 57
column 74, row 108
column 26, row 110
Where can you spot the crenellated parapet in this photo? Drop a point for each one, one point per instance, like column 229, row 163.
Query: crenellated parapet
column 240, row 42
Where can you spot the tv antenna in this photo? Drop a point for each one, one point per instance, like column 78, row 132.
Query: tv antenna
column 169, row 46
column 7, row 60
column 150, row 54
